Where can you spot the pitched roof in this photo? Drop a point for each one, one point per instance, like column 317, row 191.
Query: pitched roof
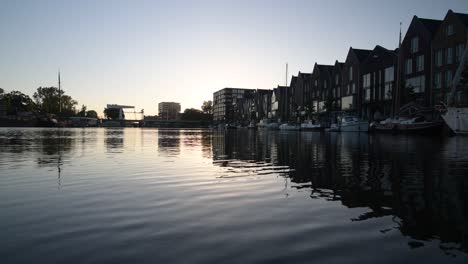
column 463, row 18
column 325, row 68
column 431, row 24
column 361, row 53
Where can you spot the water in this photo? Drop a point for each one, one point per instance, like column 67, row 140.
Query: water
column 198, row 196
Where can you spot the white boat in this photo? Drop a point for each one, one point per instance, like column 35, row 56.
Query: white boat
column 273, row 126
column 353, row 124
column 457, row 119
column 333, row 128
column 455, row 116
column 252, row 125
column 263, row 123
column 287, row 126
column 309, row 125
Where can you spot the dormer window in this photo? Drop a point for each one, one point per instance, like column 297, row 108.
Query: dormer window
column 450, row 30
column 414, row 44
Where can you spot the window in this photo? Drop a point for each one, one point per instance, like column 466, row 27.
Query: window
column 325, row 84
column 449, row 55
column 448, row 79
column 459, row 52
column 438, row 80
column 366, row 85
column 438, row 58
column 417, row 83
column 450, row 30
column 389, row 74
column 353, row 88
column 420, row 63
column 389, row 82
column 316, row 83
column 414, row 44
column 337, row 79
column 409, row 66
column 388, row 90
column 351, row 73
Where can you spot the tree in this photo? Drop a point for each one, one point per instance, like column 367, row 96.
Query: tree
column 16, row 101
column 207, row 107
column 83, row 111
column 193, row 114
column 49, row 100
column 92, row 114
column 113, row 113
column 329, row 104
column 1, row 91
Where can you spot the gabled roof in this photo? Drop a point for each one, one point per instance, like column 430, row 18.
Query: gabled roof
column 325, row 68
column 430, row 24
column 361, row 53
column 378, row 49
column 463, row 18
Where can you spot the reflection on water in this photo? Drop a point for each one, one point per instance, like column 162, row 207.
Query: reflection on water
column 134, row 195
column 420, row 181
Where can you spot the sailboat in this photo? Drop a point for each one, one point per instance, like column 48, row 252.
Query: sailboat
column 456, row 116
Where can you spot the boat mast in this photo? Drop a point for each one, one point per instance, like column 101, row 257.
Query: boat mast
column 396, row 104
column 60, row 93
column 457, row 77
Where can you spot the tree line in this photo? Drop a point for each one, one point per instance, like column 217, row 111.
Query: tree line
column 46, row 100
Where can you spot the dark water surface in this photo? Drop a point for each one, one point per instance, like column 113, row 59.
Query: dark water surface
column 201, row 196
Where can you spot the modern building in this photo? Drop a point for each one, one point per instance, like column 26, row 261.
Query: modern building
column 378, row 75
column 229, row 103
column 448, row 46
column 169, row 110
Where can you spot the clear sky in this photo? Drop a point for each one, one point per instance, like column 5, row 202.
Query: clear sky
column 143, row 52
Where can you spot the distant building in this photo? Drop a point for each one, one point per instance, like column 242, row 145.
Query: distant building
column 169, row 110
column 229, row 104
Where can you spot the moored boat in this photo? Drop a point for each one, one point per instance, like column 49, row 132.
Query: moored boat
column 352, row 124
column 412, row 118
column 457, row 119
column 310, row 125
column 289, row 126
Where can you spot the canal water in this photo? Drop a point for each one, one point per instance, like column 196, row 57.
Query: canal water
column 200, row 196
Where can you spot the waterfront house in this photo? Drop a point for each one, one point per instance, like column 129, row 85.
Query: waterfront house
column 262, row 103
column 448, row 46
column 415, row 61
column 351, row 88
column 378, row 77
column 290, row 100
column 301, row 94
column 336, row 84
column 322, row 85
column 283, row 98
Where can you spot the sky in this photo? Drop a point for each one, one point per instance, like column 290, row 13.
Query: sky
column 141, row 53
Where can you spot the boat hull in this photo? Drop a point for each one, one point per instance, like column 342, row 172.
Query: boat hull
column 457, row 119
column 417, row 128
column 357, row 127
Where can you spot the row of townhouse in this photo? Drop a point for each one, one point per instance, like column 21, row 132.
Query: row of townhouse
column 375, row 83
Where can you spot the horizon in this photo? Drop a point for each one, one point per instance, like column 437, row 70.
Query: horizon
column 142, row 53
